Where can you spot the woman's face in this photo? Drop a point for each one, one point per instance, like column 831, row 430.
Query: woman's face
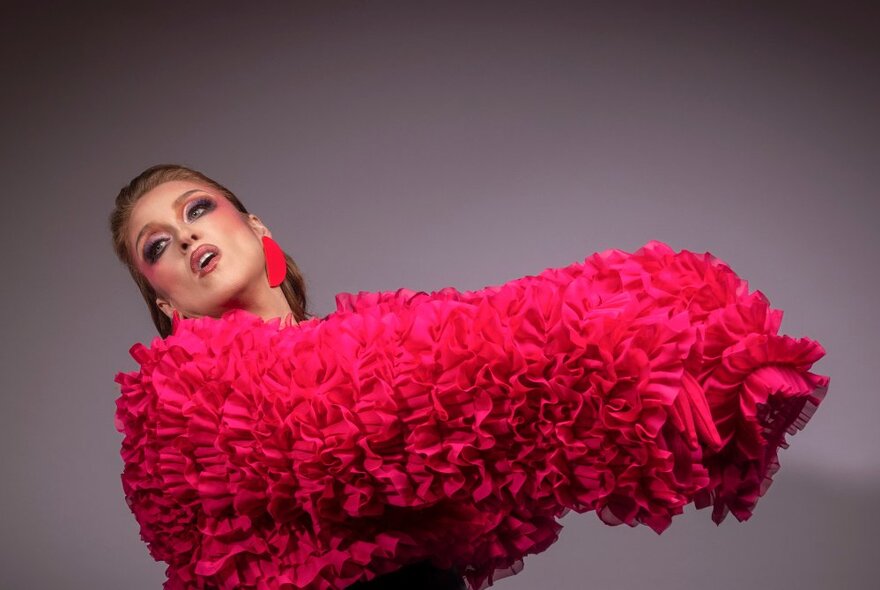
column 200, row 254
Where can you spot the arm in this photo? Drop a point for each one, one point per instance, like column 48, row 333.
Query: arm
column 454, row 425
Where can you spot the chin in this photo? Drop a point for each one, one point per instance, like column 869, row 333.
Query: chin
column 231, row 292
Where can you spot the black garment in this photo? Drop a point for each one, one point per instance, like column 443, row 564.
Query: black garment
column 417, row 576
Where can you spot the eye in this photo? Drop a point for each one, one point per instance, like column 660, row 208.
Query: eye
column 199, row 208
column 152, row 250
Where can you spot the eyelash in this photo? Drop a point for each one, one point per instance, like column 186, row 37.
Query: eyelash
column 202, row 203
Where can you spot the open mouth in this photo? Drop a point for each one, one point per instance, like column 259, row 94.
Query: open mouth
column 204, row 259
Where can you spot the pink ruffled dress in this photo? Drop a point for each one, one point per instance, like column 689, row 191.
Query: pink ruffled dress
column 458, row 427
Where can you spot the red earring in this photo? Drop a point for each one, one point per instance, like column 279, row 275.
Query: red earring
column 276, row 264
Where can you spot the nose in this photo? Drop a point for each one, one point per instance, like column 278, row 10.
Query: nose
column 185, row 242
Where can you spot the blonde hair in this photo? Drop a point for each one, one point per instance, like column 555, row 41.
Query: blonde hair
column 293, row 287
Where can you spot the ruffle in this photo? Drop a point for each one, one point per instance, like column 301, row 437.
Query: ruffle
column 458, row 426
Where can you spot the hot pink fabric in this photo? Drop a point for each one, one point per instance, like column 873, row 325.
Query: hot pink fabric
column 458, row 426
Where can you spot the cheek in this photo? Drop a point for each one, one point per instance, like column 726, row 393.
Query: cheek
column 235, row 231
column 164, row 278
column 227, row 222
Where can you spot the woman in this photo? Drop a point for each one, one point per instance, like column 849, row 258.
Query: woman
column 193, row 250
column 409, row 429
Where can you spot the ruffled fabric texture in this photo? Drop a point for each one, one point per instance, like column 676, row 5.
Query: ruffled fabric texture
column 458, row 426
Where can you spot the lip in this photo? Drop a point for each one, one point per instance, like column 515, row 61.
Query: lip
column 197, row 254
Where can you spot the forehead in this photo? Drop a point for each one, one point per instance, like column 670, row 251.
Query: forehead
column 157, row 205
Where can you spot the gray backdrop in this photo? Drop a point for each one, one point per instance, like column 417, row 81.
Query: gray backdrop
column 455, row 144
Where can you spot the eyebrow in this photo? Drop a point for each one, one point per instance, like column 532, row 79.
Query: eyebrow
column 174, row 205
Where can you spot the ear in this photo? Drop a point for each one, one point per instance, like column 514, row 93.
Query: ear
column 165, row 307
column 258, row 227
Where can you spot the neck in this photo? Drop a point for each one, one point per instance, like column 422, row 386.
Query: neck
column 270, row 304
column 267, row 302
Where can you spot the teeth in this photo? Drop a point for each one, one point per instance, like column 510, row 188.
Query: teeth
column 204, row 259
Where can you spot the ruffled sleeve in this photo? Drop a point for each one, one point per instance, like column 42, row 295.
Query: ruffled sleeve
column 458, row 426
